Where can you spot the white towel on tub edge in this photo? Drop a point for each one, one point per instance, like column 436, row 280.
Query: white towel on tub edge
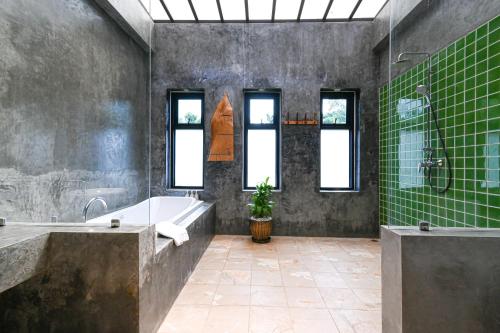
column 177, row 233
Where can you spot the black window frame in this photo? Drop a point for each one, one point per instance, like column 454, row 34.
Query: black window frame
column 351, row 95
column 174, row 96
column 274, row 94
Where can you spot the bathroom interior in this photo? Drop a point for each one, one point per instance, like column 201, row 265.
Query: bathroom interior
column 250, row 166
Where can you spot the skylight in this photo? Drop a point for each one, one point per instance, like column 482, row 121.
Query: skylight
column 262, row 10
column 157, row 11
column 314, row 9
column 179, row 9
column 342, row 9
column 206, row 10
column 287, row 9
column 369, row 8
column 233, row 10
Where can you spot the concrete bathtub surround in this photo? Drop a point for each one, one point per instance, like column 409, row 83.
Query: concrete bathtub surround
column 113, row 280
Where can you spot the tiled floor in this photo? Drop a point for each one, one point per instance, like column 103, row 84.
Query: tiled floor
column 293, row 285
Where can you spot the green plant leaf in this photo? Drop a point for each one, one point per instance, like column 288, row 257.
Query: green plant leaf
column 261, row 205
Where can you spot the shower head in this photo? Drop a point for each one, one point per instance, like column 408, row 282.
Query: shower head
column 422, row 90
column 400, row 59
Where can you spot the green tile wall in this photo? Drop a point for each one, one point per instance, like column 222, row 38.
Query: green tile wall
column 466, row 94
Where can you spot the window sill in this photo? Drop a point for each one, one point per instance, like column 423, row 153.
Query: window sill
column 184, row 189
column 339, row 191
column 253, row 190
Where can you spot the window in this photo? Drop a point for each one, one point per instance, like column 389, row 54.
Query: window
column 187, row 139
column 262, row 138
column 338, row 140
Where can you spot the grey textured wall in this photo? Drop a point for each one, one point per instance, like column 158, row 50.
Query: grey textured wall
column 300, row 59
column 73, row 110
column 432, row 25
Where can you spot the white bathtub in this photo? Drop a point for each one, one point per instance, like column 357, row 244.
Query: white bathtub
column 159, row 209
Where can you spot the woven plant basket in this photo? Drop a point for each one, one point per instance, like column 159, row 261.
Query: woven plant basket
column 261, row 229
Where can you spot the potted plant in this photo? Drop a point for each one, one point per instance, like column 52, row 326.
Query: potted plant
column 261, row 210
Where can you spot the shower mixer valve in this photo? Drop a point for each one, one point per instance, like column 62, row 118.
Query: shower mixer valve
column 429, row 164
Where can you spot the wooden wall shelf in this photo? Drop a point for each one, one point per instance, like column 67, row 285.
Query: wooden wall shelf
column 300, row 118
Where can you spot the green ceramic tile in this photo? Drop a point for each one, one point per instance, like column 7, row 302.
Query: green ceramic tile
column 465, row 92
column 482, row 43
column 494, row 24
column 482, row 31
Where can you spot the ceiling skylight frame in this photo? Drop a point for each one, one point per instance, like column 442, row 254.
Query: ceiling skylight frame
column 272, row 19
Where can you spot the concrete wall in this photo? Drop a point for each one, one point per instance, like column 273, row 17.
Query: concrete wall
column 132, row 17
column 300, row 59
column 430, row 26
column 73, row 110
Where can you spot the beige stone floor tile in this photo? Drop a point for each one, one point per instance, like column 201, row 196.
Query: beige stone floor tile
column 358, row 267
column 319, row 266
column 336, row 298
column 232, row 295
column 291, row 285
column 304, row 297
column 329, row 279
column 313, row 326
column 195, row 294
column 185, row 319
column 238, row 264
column 264, row 251
column 357, row 321
column 242, row 242
column 309, row 314
column 227, row 319
column 235, row 277
column 312, row 320
column 265, row 264
column 362, row 281
column 291, row 262
column 216, row 252
column 211, row 263
column 205, row 276
column 266, row 278
column 239, row 253
column 287, row 249
column 221, row 242
column 268, row 296
column 270, row 320
column 371, row 297
column 293, row 278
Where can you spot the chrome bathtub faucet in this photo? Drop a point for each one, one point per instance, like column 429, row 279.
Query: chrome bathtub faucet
column 91, row 201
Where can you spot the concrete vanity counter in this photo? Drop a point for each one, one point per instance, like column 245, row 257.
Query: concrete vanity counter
column 444, row 280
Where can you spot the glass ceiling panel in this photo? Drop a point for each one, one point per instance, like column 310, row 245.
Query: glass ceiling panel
column 233, row 9
column 145, row 3
column 342, row 9
column 260, row 9
column 157, row 11
column 287, row 9
column 206, row 9
column 314, row 9
column 368, row 9
column 179, row 9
